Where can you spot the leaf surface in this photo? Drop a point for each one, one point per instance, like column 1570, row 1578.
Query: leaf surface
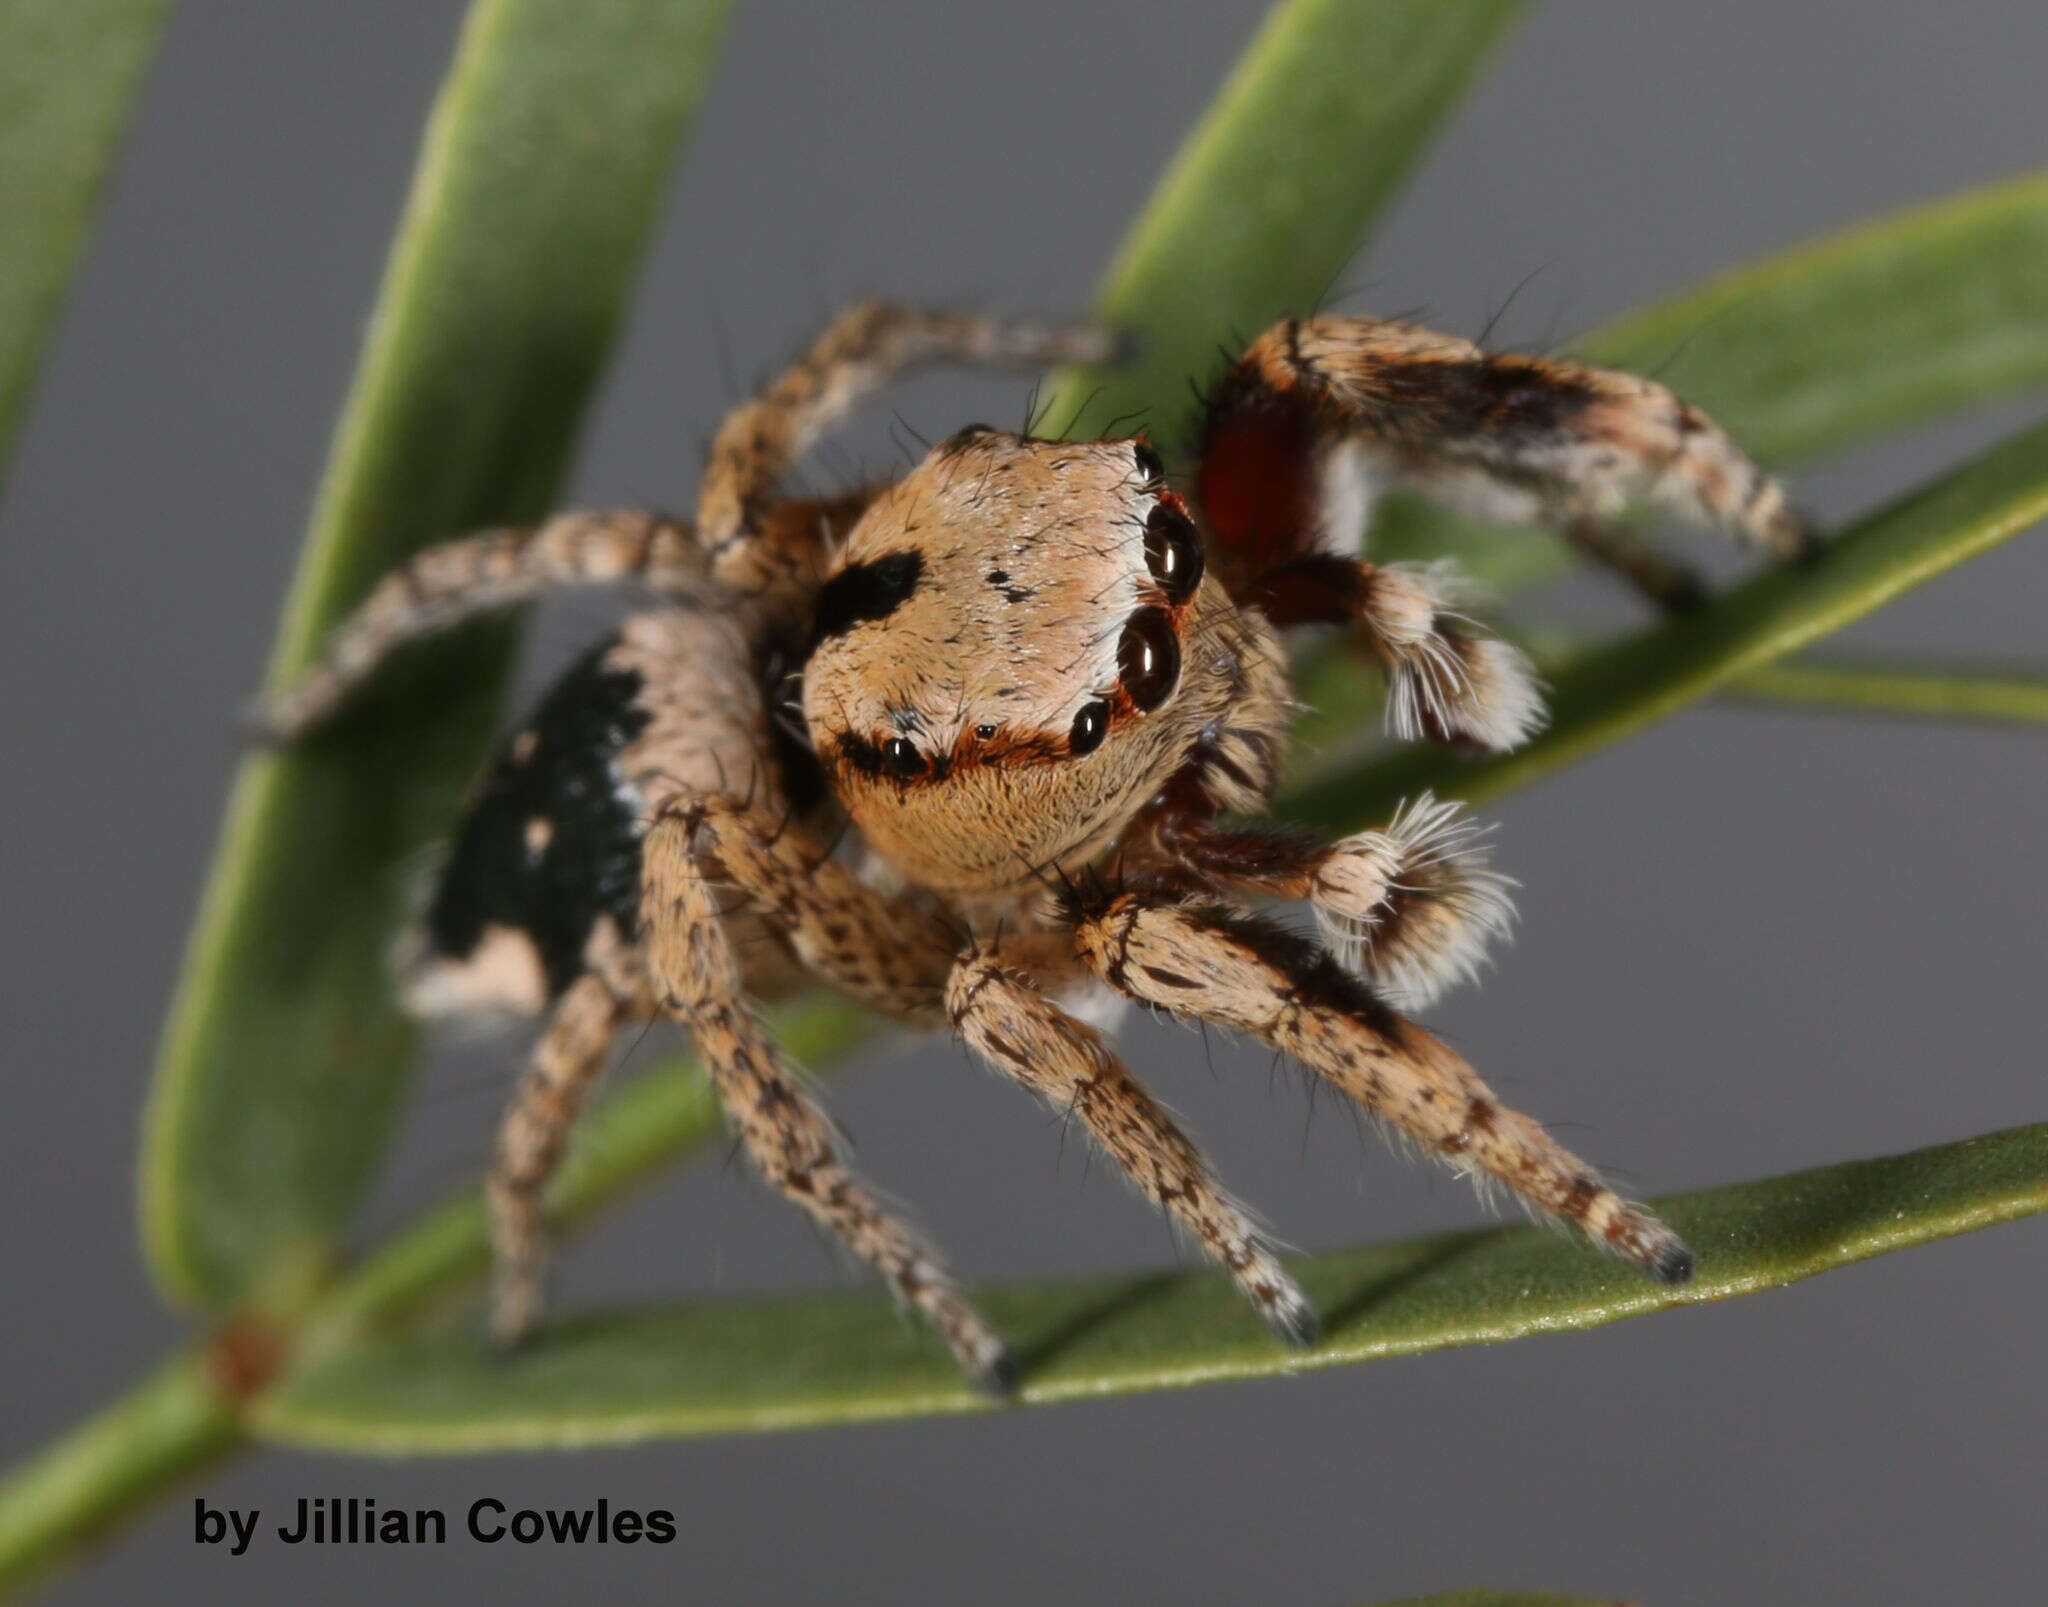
column 615, row 1377
column 544, row 163
column 1269, row 196
column 69, row 72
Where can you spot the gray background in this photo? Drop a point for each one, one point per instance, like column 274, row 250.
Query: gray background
column 1752, row 941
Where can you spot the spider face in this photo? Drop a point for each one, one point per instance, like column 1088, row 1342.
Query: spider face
column 1017, row 649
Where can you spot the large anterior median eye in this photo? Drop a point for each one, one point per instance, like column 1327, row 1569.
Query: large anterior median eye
column 1148, row 658
column 1173, row 552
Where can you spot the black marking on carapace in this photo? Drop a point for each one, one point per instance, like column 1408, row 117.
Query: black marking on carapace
column 866, row 591
column 966, row 436
column 1000, row 579
column 591, row 864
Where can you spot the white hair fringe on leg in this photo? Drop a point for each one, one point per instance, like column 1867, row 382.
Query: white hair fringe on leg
column 1414, row 907
column 1444, row 679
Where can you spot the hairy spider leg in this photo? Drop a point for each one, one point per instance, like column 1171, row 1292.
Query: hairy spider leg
column 1208, row 961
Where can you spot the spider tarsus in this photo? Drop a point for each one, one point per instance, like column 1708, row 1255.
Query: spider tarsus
column 999, row 1377
column 1298, row 1324
column 1673, row 1265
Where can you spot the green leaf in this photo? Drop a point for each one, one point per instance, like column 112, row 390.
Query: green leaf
column 1269, row 196
column 68, row 76
column 1870, row 329
column 792, row 1363
column 1611, row 691
column 544, row 163
column 1871, row 686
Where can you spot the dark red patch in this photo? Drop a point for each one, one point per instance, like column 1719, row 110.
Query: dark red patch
column 1257, row 480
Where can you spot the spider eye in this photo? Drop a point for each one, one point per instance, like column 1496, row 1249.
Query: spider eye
column 984, row 732
column 1148, row 658
column 1173, row 552
column 1148, row 461
column 901, row 756
column 1091, row 725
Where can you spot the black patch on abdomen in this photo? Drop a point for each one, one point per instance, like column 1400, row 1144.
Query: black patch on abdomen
column 560, row 768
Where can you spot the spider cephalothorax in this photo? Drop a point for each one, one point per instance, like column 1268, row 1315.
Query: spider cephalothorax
column 958, row 746
column 1017, row 650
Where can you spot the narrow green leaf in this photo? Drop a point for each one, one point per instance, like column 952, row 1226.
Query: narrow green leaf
column 747, row 1366
column 1870, row 686
column 68, row 76
column 1870, row 329
column 544, row 162
column 1269, row 196
column 1614, row 690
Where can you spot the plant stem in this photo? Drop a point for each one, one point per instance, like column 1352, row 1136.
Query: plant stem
column 1871, row 687
column 174, row 1421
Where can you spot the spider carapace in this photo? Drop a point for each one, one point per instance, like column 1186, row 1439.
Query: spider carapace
column 959, row 746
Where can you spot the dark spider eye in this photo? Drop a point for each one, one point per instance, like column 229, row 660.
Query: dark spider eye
column 1148, row 658
column 1091, row 725
column 1148, row 461
column 901, row 756
column 984, row 732
column 1173, row 552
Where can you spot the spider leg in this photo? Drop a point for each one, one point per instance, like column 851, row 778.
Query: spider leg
column 1320, row 414
column 867, row 346
column 565, row 1064
column 1020, row 1032
column 788, row 1138
column 1412, row 907
column 1446, row 679
column 445, row 584
column 1210, row 962
column 891, row 958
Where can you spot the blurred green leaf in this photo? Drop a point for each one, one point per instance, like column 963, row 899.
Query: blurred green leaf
column 1847, row 685
column 545, row 160
column 1266, row 200
column 69, row 72
column 1879, row 326
column 610, row 1378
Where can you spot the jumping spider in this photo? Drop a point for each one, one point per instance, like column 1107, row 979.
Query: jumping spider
column 1022, row 683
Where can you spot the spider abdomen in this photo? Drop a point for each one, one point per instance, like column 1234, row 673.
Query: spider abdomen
column 542, row 878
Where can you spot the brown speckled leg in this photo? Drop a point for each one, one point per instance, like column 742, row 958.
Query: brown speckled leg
column 1020, row 1032
column 787, row 1137
column 1209, row 962
column 566, row 1062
